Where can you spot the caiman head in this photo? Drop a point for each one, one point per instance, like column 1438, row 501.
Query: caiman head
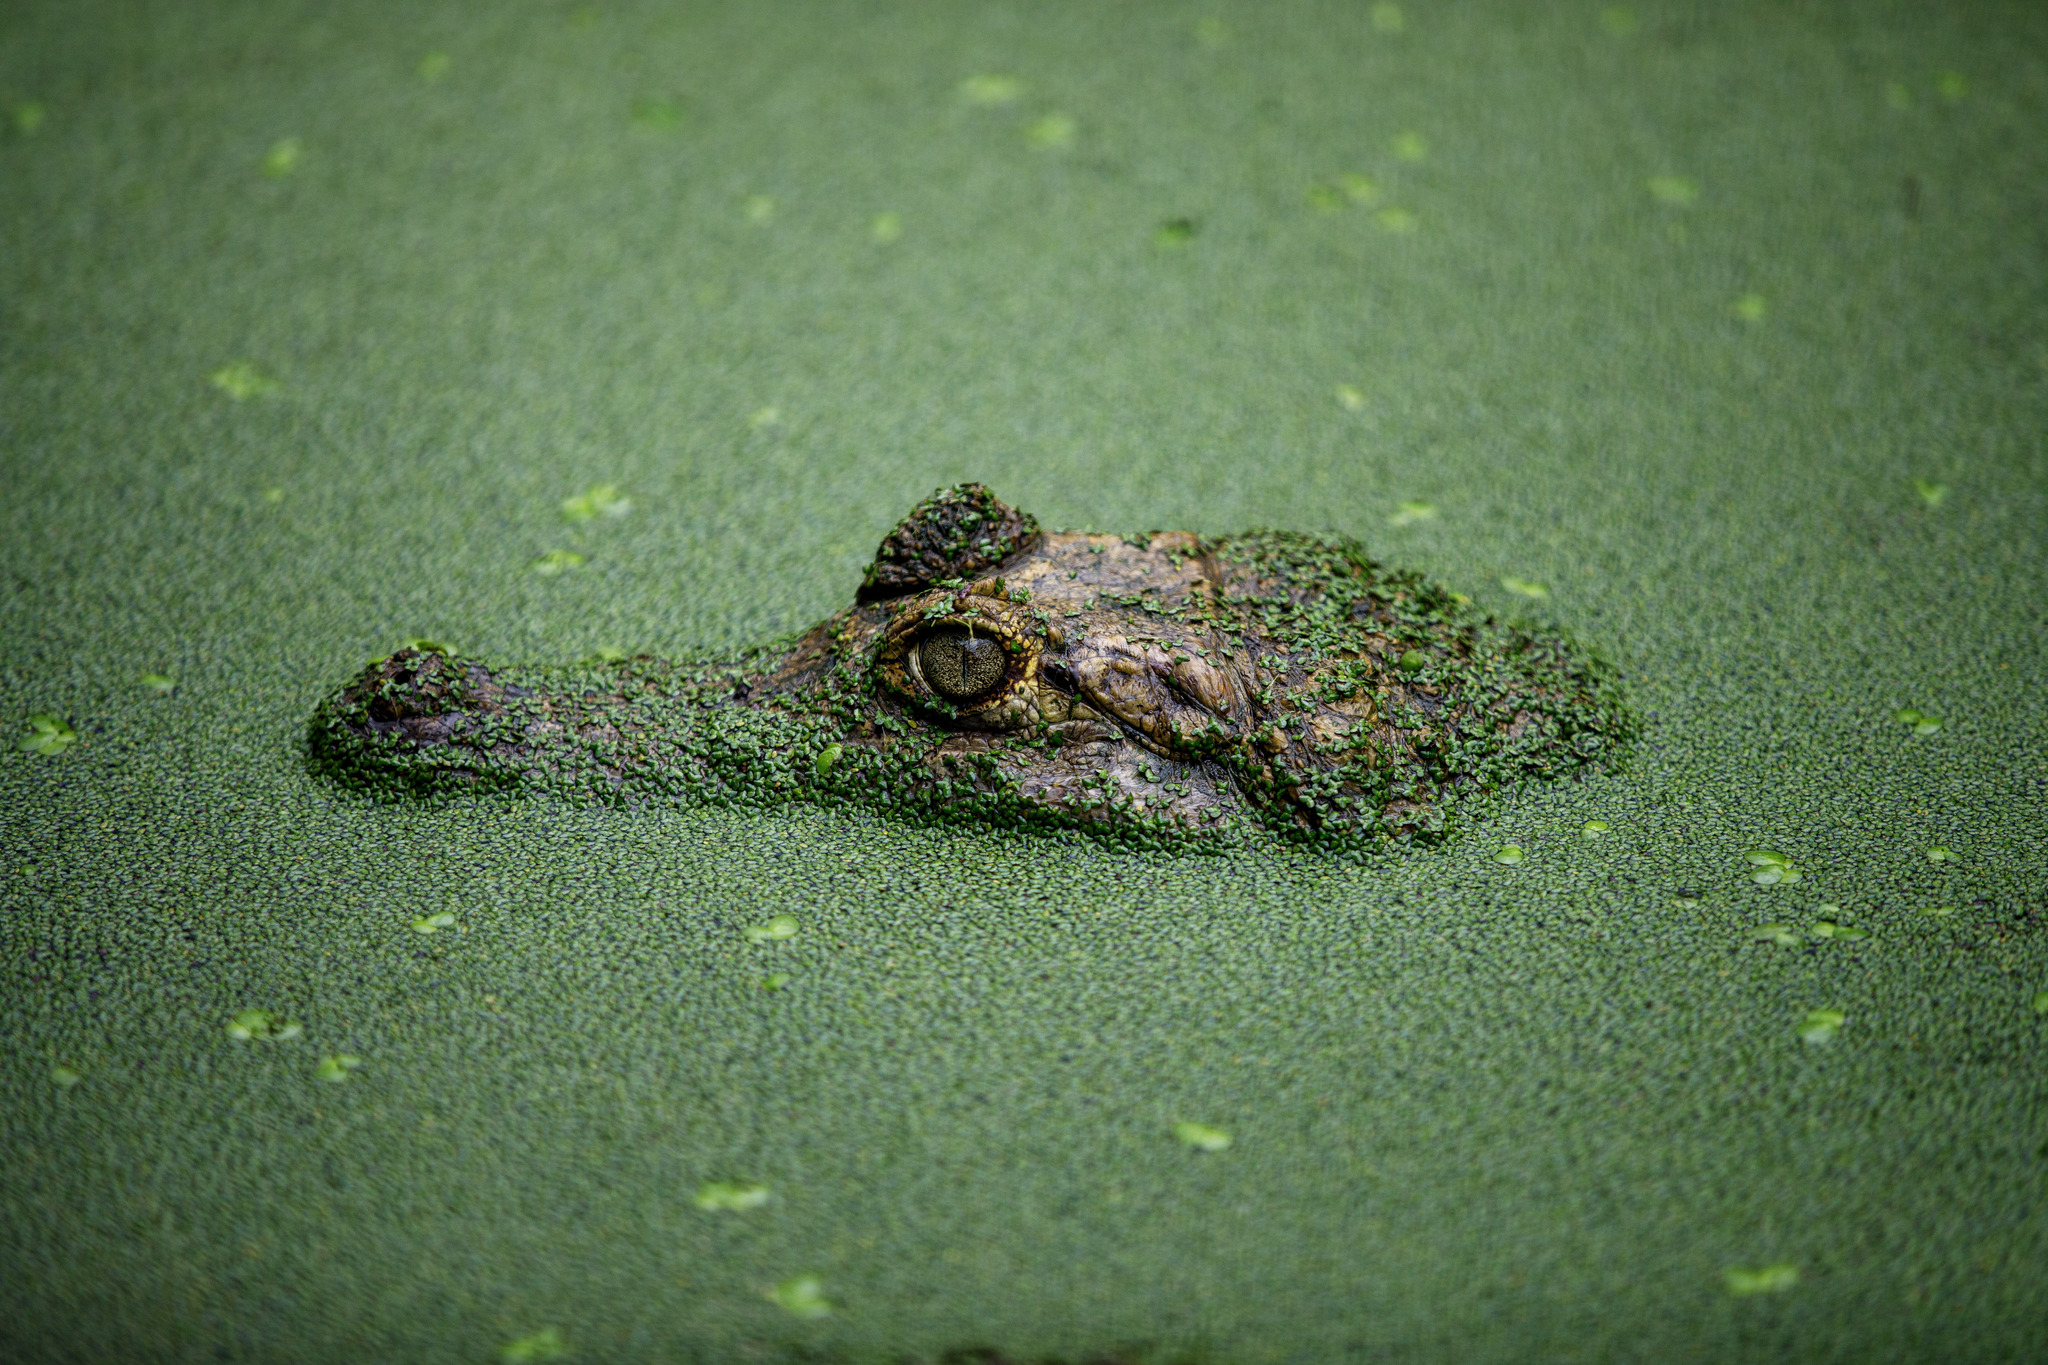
column 1159, row 689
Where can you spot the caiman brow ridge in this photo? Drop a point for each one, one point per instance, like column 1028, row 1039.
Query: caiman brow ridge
column 1161, row 691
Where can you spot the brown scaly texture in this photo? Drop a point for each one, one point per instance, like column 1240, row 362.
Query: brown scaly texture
column 1158, row 690
column 954, row 533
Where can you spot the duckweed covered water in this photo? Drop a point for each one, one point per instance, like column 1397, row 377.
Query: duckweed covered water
column 1560, row 1110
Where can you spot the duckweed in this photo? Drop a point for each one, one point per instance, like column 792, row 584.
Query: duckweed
column 433, row 66
column 774, row 981
column 1212, row 33
column 1938, row 911
column 2040, row 1003
column 1618, row 21
column 1932, row 493
column 434, row 923
column 726, row 1196
column 261, row 1026
column 546, row 1344
column 1395, row 220
column 1939, row 854
column 763, row 418
column 1593, row 829
column 759, row 208
column 1951, row 85
column 1898, row 95
column 1784, row 935
column 1820, row 1026
column 63, row 1077
column 1174, row 233
column 1409, row 147
column 1388, row 18
column 1358, row 189
column 1053, row 131
column 885, row 228
column 1770, row 1279
column 47, row 735
column 1921, row 723
column 802, row 1296
column 29, row 116
column 283, row 157
column 774, row 931
column 1523, row 587
column 599, row 500
column 1772, row 868
column 1408, row 513
column 1674, row 190
column 991, row 89
column 1750, row 308
column 1511, row 855
column 1349, row 398
column 827, row 756
column 335, row 1067
column 162, row 684
column 1841, row 933
column 242, row 381
column 655, row 115
column 556, row 562
column 1201, row 1136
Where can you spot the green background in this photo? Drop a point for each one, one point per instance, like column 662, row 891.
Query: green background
column 1480, row 1112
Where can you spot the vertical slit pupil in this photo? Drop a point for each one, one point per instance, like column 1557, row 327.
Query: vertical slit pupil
column 961, row 666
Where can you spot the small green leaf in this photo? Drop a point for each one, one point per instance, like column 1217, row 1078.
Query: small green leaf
column 1938, row 854
column 1750, row 308
column 1395, row 220
column 1409, row 147
column 282, row 158
column 1784, row 935
column 655, row 115
column 242, row 381
column 1053, row 131
column 827, row 757
column 599, row 500
column 774, row 931
column 1414, row 661
column 1618, row 21
column 803, row 1297
column 1764, row 857
column 1593, row 829
column 63, row 1077
column 1212, row 33
column 47, row 735
column 261, row 1026
column 434, row 923
column 1841, row 933
column 1387, row 17
column 29, row 115
column 1932, row 493
column 991, row 89
column 1522, row 587
column 546, row 1344
column 1509, row 854
column 1820, row 1026
column 162, row 684
column 885, row 227
column 335, row 1068
column 1938, row 911
column 730, row 1196
column 1674, row 190
column 1772, row 869
column 774, row 981
column 1350, row 398
column 1951, row 85
column 556, row 562
column 1174, row 233
column 1770, row 1279
column 1920, row 722
column 2040, row 1002
column 1325, row 198
column 433, row 67
column 1357, row 188
column 1201, row 1136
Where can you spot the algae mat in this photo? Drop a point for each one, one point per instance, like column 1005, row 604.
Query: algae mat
column 1717, row 335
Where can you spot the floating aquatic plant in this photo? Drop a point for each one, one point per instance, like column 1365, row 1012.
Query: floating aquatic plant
column 1388, row 18
column 335, row 1068
column 261, row 1026
column 1932, row 493
column 63, row 1077
column 1675, row 190
column 2041, row 1002
column 991, row 89
column 1772, row 868
column 29, row 115
column 242, row 381
column 774, row 931
column 433, row 67
column 1593, row 829
column 546, row 1344
column 885, row 227
column 1939, row 854
column 1052, row 131
column 282, row 158
column 1820, row 1026
column 1841, row 933
column 1395, row 220
column 1409, row 147
column 434, row 923
column 599, row 500
column 1174, row 233
column 655, row 115
column 1750, row 308
column 802, row 1296
column 162, row 684
column 1509, row 854
column 828, row 757
column 1410, row 512
column 47, row 735
column 1618, row 21
column 1784, row 935
column 1202, row 1136
column 760, row 208
column 1920, row 721
column 774, row 981
column 1350, row 398
column 730, row 1196
column 1522, row 587
column 556, row 562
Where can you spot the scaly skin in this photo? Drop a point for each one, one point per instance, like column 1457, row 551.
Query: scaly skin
column 1161, row 691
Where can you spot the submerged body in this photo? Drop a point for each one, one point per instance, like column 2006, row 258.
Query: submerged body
column 1163, row 690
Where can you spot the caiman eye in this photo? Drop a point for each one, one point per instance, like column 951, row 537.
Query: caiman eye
column 961, row 666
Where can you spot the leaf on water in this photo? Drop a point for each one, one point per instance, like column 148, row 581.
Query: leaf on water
column 546, row 1344
column 1674, row 190
column 282, row 158
column 729, row 1196
column 556, row 562
column 1938, row 911
column 1350, row 398
column 605, row 654
column 1387, row 18
column 63, row 1077
column 1593, row 829
column 433, row 66
column 1522, row 587
column 2041, row 1002
column 1951, row 85
column 1409, row 147
column 655, row 115
column 242, row 381
column 803, row 1297
column 1820, row 1026
column 335, row 1068
column 1938, row 854
column 774, row 981
column 827, row 757
column 262, row 1026
column 1750, row 308
column 47, row 735
column 885, row 227
column 434, row 923
column 1053, row 131
column 1784, row 935
column 599, row 500
column 1174, row 233
column 1932, row 493
column 1357, row 188
column 1395, row 220
column 990, row 89
column 1201, row 1136
column 1841, row 933
column 29, row 116
column 1772, row 869
column 1408, row 513
column 1509, row 854
column 762, row 418
column 162, row 684
column 760, row 208
column 774, row 931
column 1770, row 1279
